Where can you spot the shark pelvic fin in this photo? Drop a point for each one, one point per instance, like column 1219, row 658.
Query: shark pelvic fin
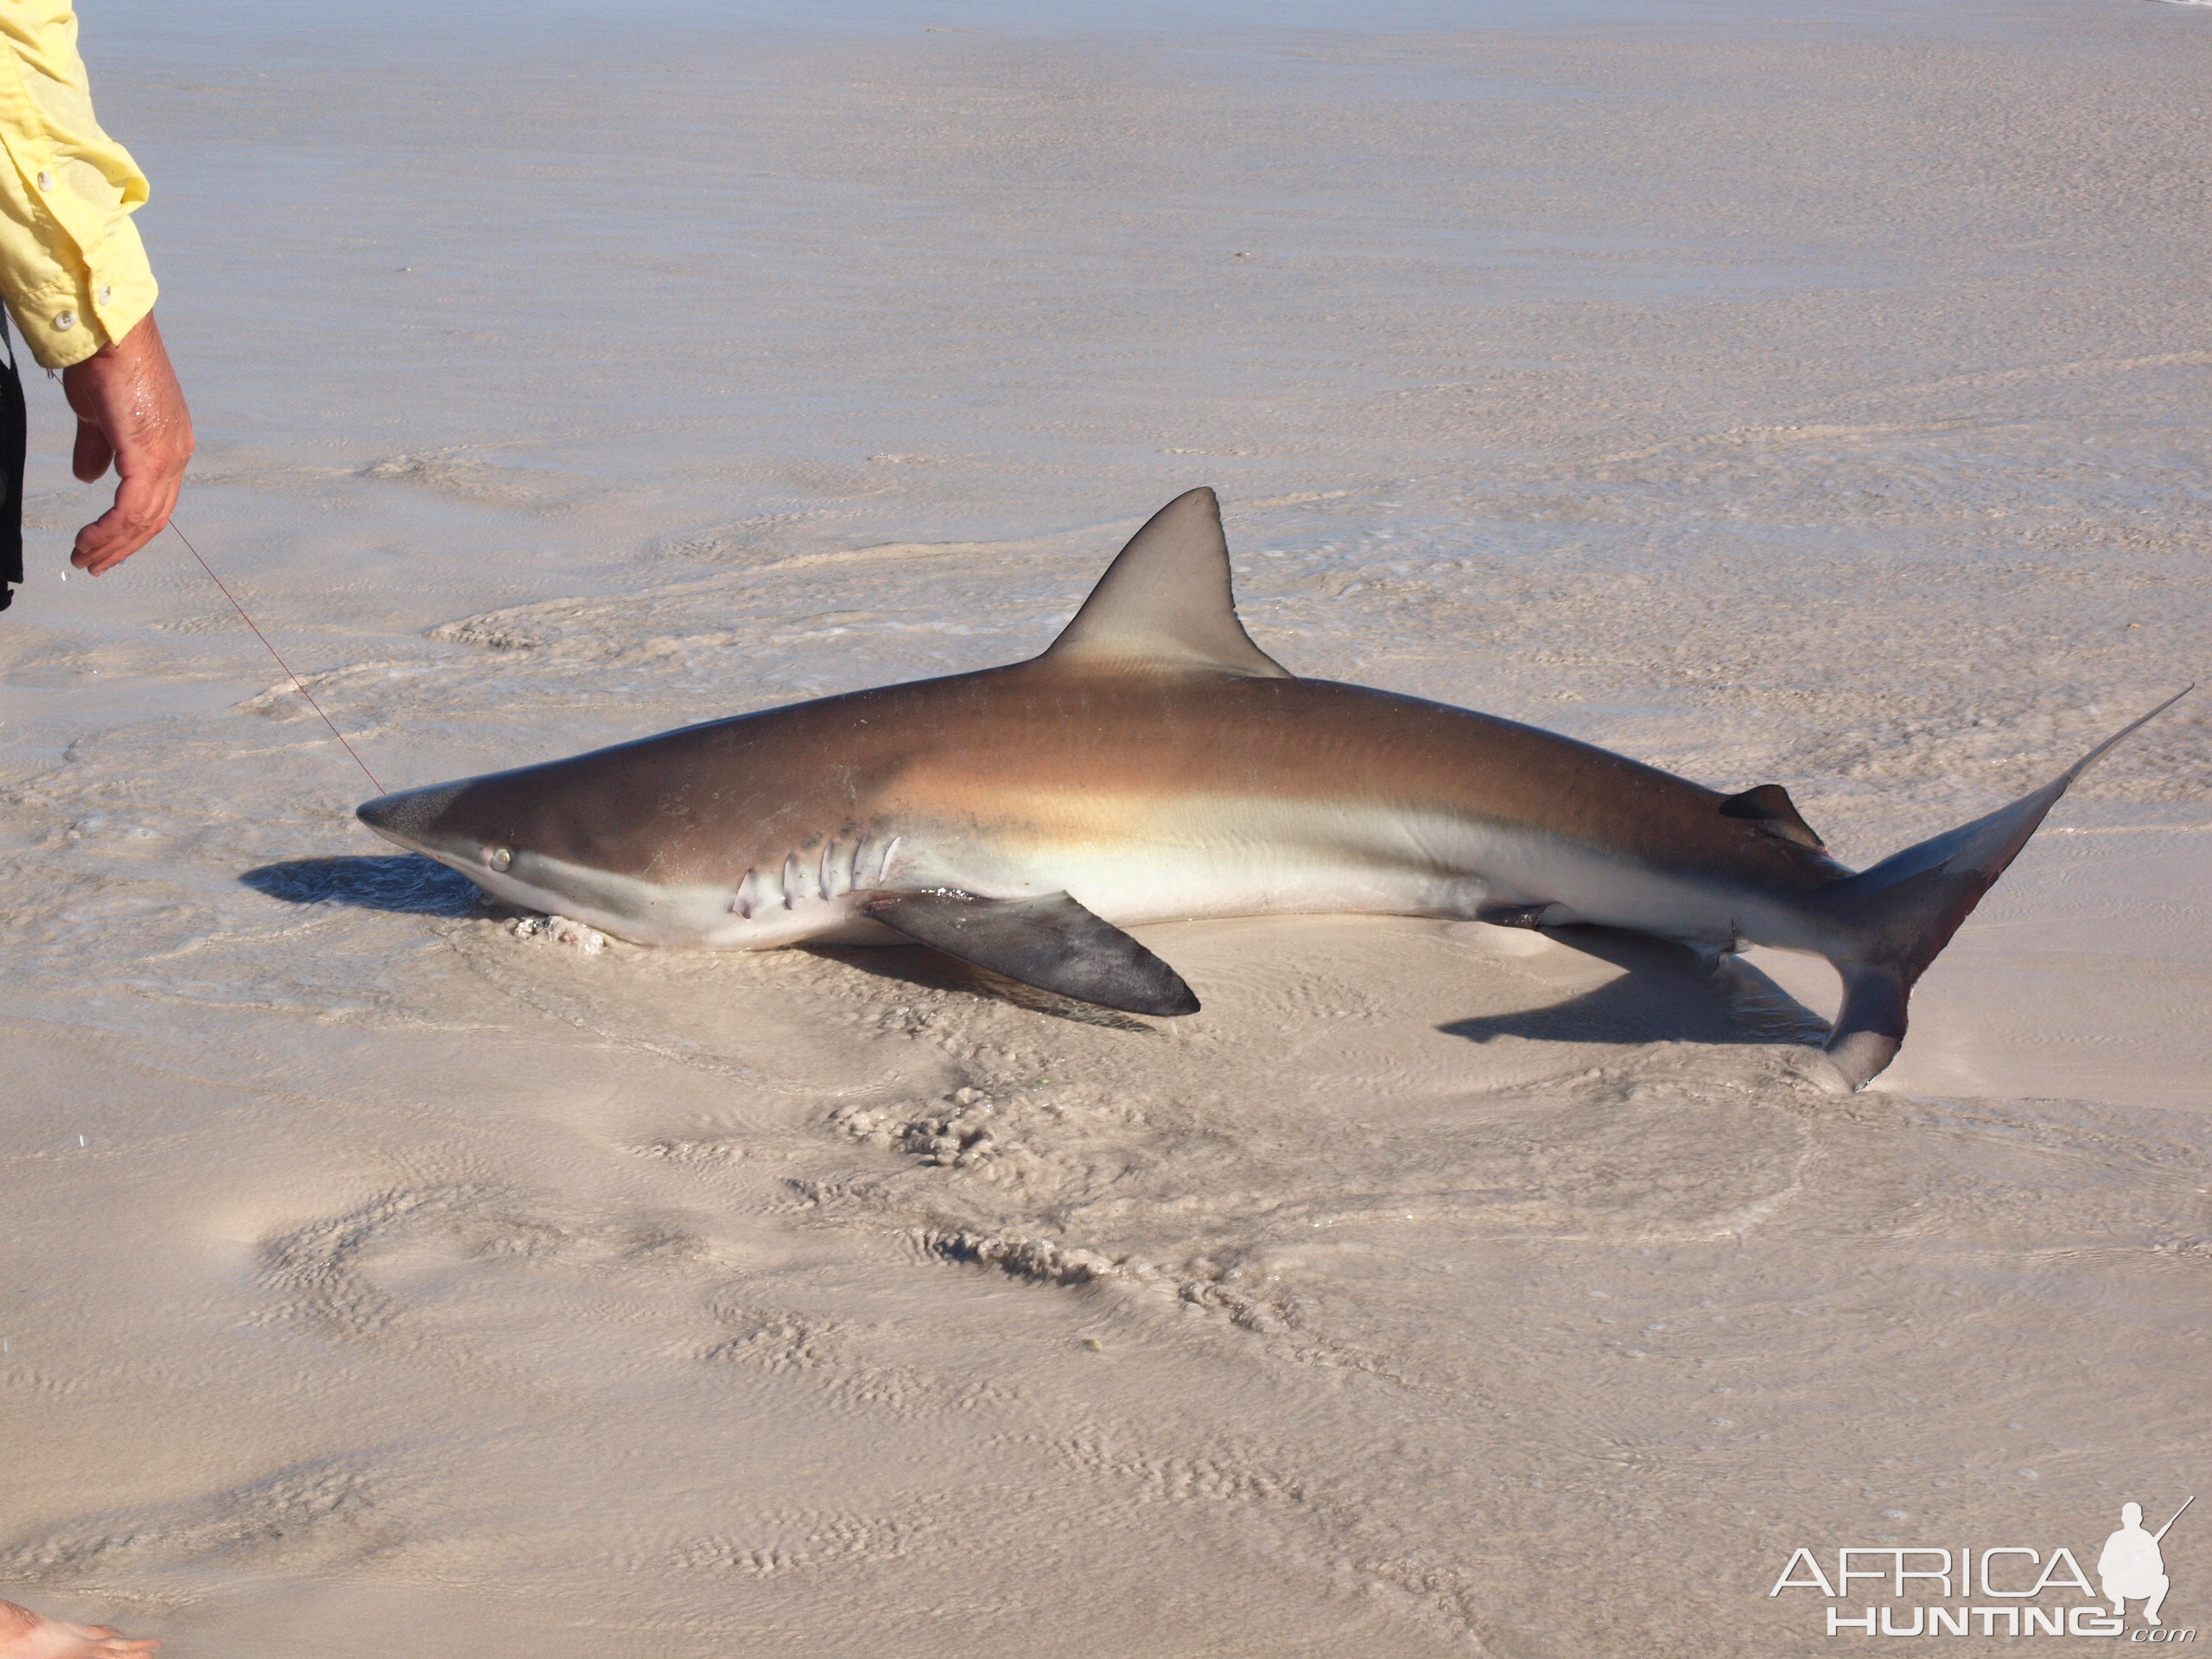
column 1769, row 807
column 1514, row 915
column 1165, row 602
column 1051, row 943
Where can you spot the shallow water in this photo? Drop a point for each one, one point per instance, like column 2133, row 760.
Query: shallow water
column 1812, row 397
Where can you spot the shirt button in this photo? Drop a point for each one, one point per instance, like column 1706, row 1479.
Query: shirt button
column 107, row 295
column 46, row 181
column 65, row 322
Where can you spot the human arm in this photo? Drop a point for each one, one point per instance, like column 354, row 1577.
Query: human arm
column 75, row 279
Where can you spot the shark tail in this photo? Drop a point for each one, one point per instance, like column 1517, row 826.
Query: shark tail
column 1898, row 915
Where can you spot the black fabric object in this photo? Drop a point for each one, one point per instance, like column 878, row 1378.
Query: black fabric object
column 13, row 437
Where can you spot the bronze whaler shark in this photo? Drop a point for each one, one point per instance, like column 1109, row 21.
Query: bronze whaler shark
column 1154, row 763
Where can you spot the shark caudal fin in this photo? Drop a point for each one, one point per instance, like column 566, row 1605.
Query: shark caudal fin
column 1904, row 910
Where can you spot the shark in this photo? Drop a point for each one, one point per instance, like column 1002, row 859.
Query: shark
column 1153, row 764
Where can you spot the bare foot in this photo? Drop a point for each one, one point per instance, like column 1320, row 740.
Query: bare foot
column 27, row 1635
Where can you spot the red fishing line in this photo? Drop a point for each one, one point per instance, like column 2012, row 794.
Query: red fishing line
column 281, row 663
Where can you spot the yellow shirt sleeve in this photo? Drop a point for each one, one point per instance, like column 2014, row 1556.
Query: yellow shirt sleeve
column 72, row 270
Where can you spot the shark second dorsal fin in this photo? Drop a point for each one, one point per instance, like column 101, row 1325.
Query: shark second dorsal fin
column 1769, row 807
column 1165, row 603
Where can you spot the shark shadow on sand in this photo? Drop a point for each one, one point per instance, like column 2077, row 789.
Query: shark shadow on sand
column 403, row 881
column 1663, row 994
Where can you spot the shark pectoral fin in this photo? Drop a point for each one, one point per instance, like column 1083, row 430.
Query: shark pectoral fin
column 1051, row 943
column 1164, row 604
column 1769, row 807
column 1513, row 915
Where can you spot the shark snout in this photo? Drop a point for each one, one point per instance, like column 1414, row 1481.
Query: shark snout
column 408, row 816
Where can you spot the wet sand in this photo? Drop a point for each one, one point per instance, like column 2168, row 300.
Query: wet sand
column 1812, row 398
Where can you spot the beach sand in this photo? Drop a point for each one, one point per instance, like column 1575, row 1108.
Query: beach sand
column 1809, row 395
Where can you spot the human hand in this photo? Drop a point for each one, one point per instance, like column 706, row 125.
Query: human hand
column 130, row 412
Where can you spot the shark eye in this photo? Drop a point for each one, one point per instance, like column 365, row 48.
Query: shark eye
column 498, row 858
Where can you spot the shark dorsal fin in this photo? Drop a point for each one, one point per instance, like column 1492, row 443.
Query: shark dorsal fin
column 1771, row 808
column 1165, row 603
